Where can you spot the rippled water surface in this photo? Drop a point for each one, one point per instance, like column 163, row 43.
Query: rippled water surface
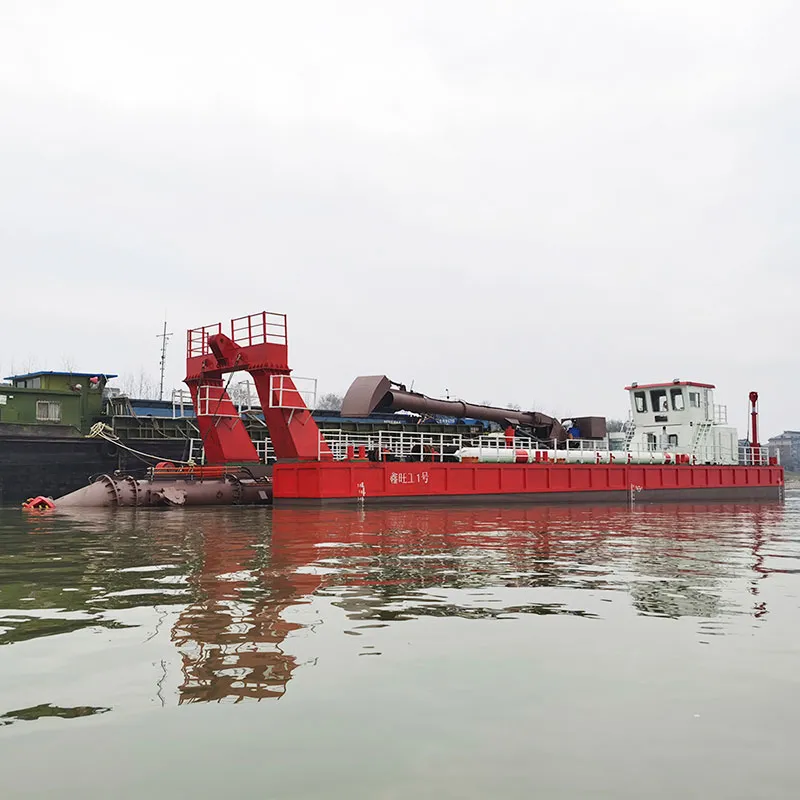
column 616, row 652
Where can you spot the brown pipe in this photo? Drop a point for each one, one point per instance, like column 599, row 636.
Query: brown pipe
column 370, row 393
column 128, row 491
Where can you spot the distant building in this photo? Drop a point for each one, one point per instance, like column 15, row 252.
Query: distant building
column 787, row 447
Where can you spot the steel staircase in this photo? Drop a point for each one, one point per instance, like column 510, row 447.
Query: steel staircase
column 700, row 436
column 630, row 431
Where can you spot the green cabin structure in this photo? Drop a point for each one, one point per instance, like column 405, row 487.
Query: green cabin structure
column 51, row 403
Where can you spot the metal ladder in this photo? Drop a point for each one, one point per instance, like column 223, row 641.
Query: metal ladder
column 630, row 431
column 700, row 436
column 196, row 451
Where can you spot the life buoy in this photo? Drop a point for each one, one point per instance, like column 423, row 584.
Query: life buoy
column 38, row 504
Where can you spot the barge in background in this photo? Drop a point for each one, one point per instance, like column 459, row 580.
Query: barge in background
column 58, row 429
column 676, row 445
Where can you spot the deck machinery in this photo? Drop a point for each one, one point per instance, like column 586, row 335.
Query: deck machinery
column 531, row 457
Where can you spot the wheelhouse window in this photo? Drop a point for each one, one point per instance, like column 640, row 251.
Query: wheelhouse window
column 694, row 399
column 658, row 400
column 48, row 411
column 640, row 399
column 677, row 399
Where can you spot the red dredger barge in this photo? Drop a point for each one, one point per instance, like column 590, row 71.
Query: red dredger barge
column 676, row 445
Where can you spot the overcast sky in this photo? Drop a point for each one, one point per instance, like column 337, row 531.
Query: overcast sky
column 530, row 202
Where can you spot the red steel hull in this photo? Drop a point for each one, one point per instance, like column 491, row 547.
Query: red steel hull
column 343, row 481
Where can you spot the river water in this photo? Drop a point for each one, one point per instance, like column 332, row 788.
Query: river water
column 644, row 652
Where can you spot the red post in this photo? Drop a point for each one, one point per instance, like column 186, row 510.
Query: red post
column 754, row 425
column 754, row 419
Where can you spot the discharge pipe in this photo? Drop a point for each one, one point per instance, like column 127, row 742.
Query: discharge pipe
column 370, row 393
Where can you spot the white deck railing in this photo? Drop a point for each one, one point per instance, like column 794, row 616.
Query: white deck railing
column 757, row 456
column 414, row 446
column 182, row 404
column 419, row 446
column 266, row 452
column 400, row 445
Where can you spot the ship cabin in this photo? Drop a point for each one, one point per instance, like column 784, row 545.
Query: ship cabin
column 51, row 403
column 682, row 417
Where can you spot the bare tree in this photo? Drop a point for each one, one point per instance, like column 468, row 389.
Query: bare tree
column 244, row 394
column 614, row 425
column 141, row 386
column 513, row 406
column 330, row 402
column 28, row 365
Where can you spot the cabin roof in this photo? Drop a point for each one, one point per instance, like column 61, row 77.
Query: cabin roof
column 667, row 385
column 70, row 374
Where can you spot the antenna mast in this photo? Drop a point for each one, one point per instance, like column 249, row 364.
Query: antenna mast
column 164, row 339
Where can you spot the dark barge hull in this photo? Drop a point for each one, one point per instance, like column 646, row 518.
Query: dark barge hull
column 53, row 466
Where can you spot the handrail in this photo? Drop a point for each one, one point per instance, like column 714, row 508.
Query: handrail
column 266, row 327
column 758, row 456
column 439, row 446
column 719, row 414
column 292, row 393
column 197, row 339
column 413, row 445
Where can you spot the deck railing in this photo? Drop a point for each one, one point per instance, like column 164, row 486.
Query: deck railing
column 419, row 446
column 265, row 327
column 182, row 404
column 197, row 339
column 266, row 453
column 414, row 445
column 757, row 456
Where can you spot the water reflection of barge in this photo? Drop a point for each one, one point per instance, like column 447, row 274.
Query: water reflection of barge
column 231, row 590
column 234, row 637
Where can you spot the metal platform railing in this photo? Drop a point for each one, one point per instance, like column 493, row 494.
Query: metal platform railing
column 413, row 445
column 400, row 445
column 182, row 405
column 719, row 414
column 265, row 327
column 292, row 392
column 418, row 446
column 197, row 339
column 758, row 456
column 213, row 401
column 266, row 452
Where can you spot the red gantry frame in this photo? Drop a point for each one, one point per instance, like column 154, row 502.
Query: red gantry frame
column 256, row 344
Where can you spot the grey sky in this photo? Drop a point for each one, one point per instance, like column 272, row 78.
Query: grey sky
column 517, row 201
